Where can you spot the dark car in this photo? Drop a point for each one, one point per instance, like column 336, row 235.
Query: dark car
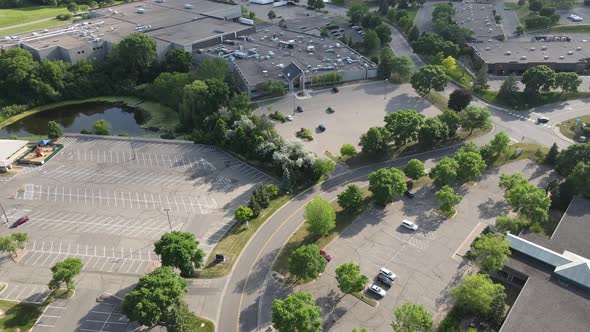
column 299, row 109
column 20, row 221
column 335, row 90
column 409, row 194
column 322, row 127
column 325, row 255
column 542, row 120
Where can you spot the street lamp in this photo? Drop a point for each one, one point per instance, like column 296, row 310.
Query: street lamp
column 169, row 223
column 385, row 88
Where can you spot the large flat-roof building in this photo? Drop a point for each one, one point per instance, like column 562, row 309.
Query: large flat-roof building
column 561, row 53
column 266, row 54
column 480, row 18
column 187, row 24
column 553, row 274
column 10, row 151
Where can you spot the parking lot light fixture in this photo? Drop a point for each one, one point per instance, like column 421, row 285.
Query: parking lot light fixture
column 168, row 215
column 385, row 88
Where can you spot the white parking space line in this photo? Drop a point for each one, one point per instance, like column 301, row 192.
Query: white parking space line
column 30, row 293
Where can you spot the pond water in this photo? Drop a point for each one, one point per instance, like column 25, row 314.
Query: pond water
column 74, row 118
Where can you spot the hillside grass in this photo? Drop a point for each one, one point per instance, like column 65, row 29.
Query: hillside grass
column 14, row 16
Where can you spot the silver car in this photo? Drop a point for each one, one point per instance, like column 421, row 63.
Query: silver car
column 409, row 225
column 377, row 290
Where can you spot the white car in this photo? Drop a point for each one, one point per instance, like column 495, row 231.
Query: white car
column 377, row 290
column 409, row 225
column 387, row 273
column 289, row 118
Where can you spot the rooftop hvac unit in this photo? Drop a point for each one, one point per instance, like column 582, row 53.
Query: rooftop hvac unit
column 531, row 49
column 160, row 1
column 140, row 10
column 543, row 47
column 488, row 48
column 523, row 57
column 188, row 6
column 578, row 48
column 545, row 57
column 507, row 53
column 561, row 57
column 570, row 52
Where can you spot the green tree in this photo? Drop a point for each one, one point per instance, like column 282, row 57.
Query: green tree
column 404, row 125
column 12, row 243
column 322, row 167
column 474, row 117
column 444, row 172
column 481, row 78
column 451, row 120
column 447, row 199
column 351, row 199
column 154, row 296
column 529, row 200
column 476, row 293
column 411, row 317
column 430, row 43
column 449, row 64
column 73, row 7
column 357, row 11
column 538, row 78
column 519, row 30
column 167, row 88
column 214, row 68
column 296, row 313
column 271, row 191
column 492, row 251
column 567, row 81
column 402, row 69
column 54, row 130
column 65, row 271
column 535, row 5
column 347, row 151
column 509, row 89
column 371, row 41
column 570, row 157
column 511, row 224
column 178, row 60
column 374, row 141
column 19, row 78
column 306, row 262
column 182, row 319
column 135, row 54
column 384, row 34
column 272, row 15
column 551, row 157
column 385, row 66
column 243, row 214
column 580, row 177
column 180, row 250
column 385, row 184
column 319, row 216
column 413, row 34
column 432, row 131
column 414, row 169
column 497, row 309
column 499, row 144
column 459, row 99
column 101, row 127
column 350, row 279
column 428, row 78
column 470, row 165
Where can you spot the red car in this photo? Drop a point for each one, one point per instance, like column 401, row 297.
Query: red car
column 325, row 255
column 20, row 221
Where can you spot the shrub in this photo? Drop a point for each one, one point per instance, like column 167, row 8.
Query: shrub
column 305, row 133
column 64, row 17
column 12, row 110
column 85, row 132
column 278, row 116
column 168, row 136
column 123, row 134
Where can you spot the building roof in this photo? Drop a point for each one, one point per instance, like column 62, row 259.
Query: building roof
column 8, row 148
column 478, row 17
column 189, row 33
column 555, row 297
column 573, row 48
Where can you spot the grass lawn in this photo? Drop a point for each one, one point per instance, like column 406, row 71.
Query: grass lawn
column 582, row 28
column 13, row 16
column 234, row 241
column 523, row 102
column 19, row 315
column 204, row 325
column 33, row 26
column 460, row 75
column 162, row 117
column 567, row 128
column 367, row 300
column 529, row 151
column 303, row 237
column 521, row 11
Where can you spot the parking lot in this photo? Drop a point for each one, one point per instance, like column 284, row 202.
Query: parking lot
column 357, row 108
column 427, row 262
column 105, row 201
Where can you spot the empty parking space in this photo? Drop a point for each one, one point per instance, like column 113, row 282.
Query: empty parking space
column 104, row 317
column 50, row 317
column 25, row 292
column 94, row 258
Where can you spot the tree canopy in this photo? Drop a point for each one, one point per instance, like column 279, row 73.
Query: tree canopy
column 444, row 172
column 296, row 313
column 350, row 279
column 447, row 198
column 430, row 77
column 180, row 250
column 476, row 293
column 470, row 165
column 414, row 169
column 411, row 317
column 64, row 272
column 385, row 184
column 459, row 99
column 374, row 141
column 306, row 262
column 320, row 216
column 538, row 78
column 54, row 130
column 570, row 157
column 178, row 60
column 492, row 251
column 351, row 199
column 404, row 125
column 473, row 117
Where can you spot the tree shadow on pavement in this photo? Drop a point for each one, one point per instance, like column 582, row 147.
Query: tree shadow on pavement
column 371, row 217
column 253, row 282
column 491, row 208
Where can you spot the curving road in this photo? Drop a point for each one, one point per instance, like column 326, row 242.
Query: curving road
column 242, row 308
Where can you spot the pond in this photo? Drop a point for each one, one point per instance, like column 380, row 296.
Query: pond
column 74, row 118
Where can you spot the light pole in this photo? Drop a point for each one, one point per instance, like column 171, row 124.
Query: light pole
column 168, row 215
column 133, row 149
column 385, row 88
column 5, row 216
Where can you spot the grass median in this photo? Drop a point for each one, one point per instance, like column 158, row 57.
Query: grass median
column 19, row 315
column 303, row 237
column 234, row 241
column 568, row 127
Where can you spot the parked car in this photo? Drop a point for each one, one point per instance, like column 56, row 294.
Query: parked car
column 409, row 225
column 322, row 128
column 385, row 280
column 377, row 290
column 330, row 110
column 582, row 139
column 20, row 221
column 387, row 273
column 289, row 118
column 542, row 119
column 325, row 255
column 335, row 89
column 299, row 109
column 409, row 194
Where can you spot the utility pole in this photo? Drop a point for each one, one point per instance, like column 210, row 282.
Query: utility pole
column 385, row 88
column 5, row 216
column 169, row 223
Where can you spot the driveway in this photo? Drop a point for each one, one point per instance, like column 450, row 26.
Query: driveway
column 358, row 107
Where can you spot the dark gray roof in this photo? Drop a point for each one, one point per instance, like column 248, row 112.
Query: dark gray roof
column 536, row 251
column 573, row 232
column 292, row 71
